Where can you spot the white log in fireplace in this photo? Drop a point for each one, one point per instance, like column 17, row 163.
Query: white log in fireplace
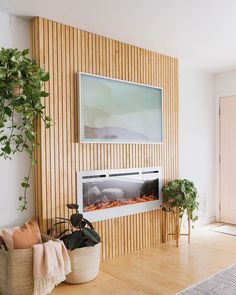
column 105, row 194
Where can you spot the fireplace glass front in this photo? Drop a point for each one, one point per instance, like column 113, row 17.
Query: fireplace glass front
column 108, row 190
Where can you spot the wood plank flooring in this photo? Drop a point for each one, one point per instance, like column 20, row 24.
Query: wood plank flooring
column 162, row 270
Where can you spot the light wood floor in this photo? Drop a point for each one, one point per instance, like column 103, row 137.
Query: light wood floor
column 161, row 270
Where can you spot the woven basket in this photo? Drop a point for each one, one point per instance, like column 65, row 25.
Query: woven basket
column 16, row 271
column 84, row 264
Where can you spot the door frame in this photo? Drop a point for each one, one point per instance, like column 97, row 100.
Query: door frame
column 217, row 157
column 218, row 154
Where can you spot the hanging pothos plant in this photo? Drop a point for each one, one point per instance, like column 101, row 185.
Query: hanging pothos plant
column 21, row 82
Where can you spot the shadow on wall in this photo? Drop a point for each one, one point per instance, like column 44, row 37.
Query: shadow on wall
column 12, row 173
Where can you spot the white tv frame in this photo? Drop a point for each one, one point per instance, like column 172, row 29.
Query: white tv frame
column 108, row 141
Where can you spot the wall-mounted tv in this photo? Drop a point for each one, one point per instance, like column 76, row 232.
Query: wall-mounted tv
column 117, row 111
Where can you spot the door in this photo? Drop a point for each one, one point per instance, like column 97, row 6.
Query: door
column 228, row 159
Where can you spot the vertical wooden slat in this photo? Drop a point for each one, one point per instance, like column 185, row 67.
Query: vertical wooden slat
column 46, row 133
column 44, row 219
column 51, row 171
column 65, row 51
column 56, row 121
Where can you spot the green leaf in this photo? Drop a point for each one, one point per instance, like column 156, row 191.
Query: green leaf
column 25, row 52
column 6, row 149
column 48, row 125
column 44, row 94
column 45, row 77
column 92, row 235
column 73, row 206
column 38, row 105
column 74, row 240
column 88, row 223
column 25, row 185
column 76, row 219
column 8, row 111
column 62, row 233
column 14, row 58
column 2, row 74
column 3, row 138
column 47, row 118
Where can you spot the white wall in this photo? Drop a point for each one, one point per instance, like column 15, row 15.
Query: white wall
column 12, row 172
column 197, row 135
column 225, row 84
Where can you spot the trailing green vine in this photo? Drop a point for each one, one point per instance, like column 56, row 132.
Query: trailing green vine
column 21, row 82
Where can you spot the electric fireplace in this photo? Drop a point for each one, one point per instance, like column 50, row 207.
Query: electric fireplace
column 104, row 194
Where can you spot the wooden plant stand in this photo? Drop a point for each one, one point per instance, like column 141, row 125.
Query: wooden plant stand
column 178, row 222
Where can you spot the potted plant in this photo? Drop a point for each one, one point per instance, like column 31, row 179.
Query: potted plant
column 179, row 197
column 21, row 83
column 83, row 244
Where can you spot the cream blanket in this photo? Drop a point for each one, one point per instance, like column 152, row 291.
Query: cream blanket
column 51, row 264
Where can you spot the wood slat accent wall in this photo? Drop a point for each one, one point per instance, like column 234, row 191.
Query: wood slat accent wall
column 64, row 51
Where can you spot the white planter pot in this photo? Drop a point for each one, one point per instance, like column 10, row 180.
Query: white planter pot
column 84, row 264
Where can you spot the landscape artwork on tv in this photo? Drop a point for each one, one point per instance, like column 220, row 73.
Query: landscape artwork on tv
column 119, row 111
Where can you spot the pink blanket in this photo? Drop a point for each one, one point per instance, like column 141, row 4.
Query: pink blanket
column 51, row 265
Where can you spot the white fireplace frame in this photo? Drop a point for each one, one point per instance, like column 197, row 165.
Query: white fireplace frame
column 125, row 210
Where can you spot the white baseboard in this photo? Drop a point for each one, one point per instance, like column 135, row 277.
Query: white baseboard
column 205, row 220
column 201, row 222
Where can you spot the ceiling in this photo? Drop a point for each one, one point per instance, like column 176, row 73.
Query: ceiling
column 201, row 33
